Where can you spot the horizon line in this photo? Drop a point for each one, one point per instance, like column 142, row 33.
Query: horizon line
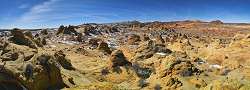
column 205, row 21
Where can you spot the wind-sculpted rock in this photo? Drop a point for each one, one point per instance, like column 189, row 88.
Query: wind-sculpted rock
column 60, row 30
column 67, row 30
column 174, row 83
column 44, row 32
column 13, row 52
column 148, row 49
column 94, row 43
column 108, row 29
column 133, row 39
column 104, row 47
column 179, row 67
column 18, row 37
column 159, row 39
column 25, row 68
column 28, row 34
column 79, row 37
column 87, row 29
column 179, row 55
column 61, row 58
column 144, row 37
column 43, row 41
column 117, row 58
column 26, row 38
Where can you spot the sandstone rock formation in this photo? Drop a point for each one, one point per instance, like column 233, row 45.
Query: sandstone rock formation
column 67, row 30
column 133, row 39
column 104, row 47
column 180, row 55
column 24, row 68
column 148, row 49
column 117, row 58
column 61, row 58
column 144, row 37
column 159, row 39
column 18, row 37
column 44, row 32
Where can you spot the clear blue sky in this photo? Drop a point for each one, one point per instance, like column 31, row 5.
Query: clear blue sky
column 52, row 13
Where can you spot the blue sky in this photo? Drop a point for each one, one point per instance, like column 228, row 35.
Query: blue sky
column 52, row 13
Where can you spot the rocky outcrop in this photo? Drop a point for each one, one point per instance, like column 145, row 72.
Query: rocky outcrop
column 179, row 67
column 79, row 37
column 117, row 58
column 28, row 34
column 67, row 30
column 60, row 30
column 144, row 37
column 103, row 46
column 216, row 22
column 44, row 32
column 94, row 43
column 18, row 37
column 44, row 41
column 159, row 39
column 133, row 39
column 87, row 29
column 108, row 29
column 61, row 58
column 13, row 52
column 148, row 49
column 24, row 68
column 173, row 83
